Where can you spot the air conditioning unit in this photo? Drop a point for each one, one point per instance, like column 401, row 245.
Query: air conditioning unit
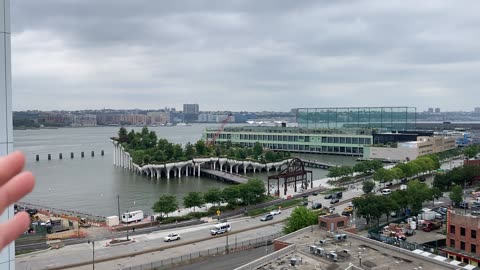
column 323, row 242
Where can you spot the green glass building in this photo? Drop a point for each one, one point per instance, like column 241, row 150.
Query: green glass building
column 380, row 118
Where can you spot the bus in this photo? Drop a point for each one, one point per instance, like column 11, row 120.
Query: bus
column 220, row 228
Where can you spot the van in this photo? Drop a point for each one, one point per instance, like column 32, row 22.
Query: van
column 220, row 228
column 133, row 216
column 386, row 191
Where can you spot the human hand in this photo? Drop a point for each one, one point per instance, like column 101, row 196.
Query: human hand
column 14, row 184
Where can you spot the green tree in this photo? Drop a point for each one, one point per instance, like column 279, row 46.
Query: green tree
column 177, row 152
column 213, row 196
column 417, row 194
column 165, row 204
column 122, row 135
column 400, row 198
column 252, row 192
column 383, row 175
column 270, row 156
column 257, row 149
column 193, row 199
column 189, row 151
column 231, row 195
column 361, row 167
column 201, row 148
column 456, row 195
column 368, row 186
column 300, row 218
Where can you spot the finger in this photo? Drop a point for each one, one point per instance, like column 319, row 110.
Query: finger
column 10, row 230
column 10, row 166
column 15, row 189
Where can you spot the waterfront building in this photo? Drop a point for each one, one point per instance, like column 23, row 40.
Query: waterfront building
column 7, row 255
column 190, row 112
column 135, row 119
column 405, row 151
column 84, row 120
column 379, row 118
column 295, row 139
column 158, row 118
column 463, row 237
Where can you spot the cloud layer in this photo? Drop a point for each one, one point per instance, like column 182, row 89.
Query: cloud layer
column 244, row 55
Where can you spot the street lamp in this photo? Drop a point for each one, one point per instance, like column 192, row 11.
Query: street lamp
column 127, row 214
column 93, row 257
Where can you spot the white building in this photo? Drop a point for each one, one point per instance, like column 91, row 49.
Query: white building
column 405, row 151
column 7, row 255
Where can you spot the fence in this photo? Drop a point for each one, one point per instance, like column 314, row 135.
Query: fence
column 266, row 259
column 69, row 214
column 200, row 255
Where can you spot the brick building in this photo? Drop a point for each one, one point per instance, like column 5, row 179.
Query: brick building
column 333, row 222
column 463, row 238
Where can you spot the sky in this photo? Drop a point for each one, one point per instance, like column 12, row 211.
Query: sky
column 269, row 55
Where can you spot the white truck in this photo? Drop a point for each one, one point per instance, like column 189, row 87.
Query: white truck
column 133, row 216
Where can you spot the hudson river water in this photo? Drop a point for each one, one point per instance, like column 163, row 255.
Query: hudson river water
column 91, row 184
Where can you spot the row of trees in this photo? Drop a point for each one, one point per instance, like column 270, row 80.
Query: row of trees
column 364, row 167
column 372, row 207
column 249, row 193
column 457, row 176
column 145, row 148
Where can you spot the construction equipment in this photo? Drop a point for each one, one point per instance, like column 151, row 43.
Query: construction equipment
column 220, row 129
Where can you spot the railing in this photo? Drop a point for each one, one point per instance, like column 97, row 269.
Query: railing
column 203, row 254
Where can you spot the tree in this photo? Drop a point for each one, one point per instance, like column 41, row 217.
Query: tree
column 417, row 194
column 189, row 151
column 300, row 218
column 165, row 204
column 257, row 149
column 201, row 148
column 435, row 194
column 122, row 135
column 231, row 195
column 368, row 186
column 193, row 199
column 456, row 194
column 361, row 167
column 213, row 196
column 383, row 175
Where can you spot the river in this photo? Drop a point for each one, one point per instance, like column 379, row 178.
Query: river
column 91, row 184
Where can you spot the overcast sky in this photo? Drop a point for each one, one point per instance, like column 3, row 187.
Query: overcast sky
column 245, row 55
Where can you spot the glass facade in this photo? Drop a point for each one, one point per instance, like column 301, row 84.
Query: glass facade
column 296, row 139
column 381, row 118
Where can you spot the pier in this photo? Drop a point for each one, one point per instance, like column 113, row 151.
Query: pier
column 72, row 155
column 317, row 164
column 234, row 178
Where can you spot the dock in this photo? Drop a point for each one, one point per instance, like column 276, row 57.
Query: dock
column 317, row 164
column 224, row 176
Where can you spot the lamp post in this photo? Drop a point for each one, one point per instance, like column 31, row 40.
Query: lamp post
column 127, row 214
column 93, row 257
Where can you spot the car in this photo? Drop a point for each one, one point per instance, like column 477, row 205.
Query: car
column 267, row 217
column 316, row 205
column 328, row 196
column 315, row 193
column 386, row 191
column 344, row 213
column 404, row 180
column 171, row 237
column 335, row 200
column 32, row 211
column 389, row 184
column 393, row 214
column 338, row 194
column 304, row 203
column 276, row 212
column 422, row 179
column 348, row 209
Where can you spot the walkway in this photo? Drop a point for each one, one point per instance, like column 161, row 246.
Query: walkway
column 317, row 164
column 235, row 178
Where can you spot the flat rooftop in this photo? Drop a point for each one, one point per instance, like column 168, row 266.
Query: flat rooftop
column 354, row 253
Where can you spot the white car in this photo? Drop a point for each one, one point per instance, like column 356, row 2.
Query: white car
column 276, row 212
column 171, row 237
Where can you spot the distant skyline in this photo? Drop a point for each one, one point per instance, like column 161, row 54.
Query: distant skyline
column 270, row 55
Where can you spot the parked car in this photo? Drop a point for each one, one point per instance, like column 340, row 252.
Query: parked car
column 393, row 214
column 389, row 184
column 267, row 217
column 276, row 212
column 315, row 193
column 346, row 213
column 331, row 209
column 328, row 196
column 316, row 205
column 32, row 211
column 334, row 200
column 404, row 180
column 338, row 194
column 422, row 179
column 171, row 237
column 386, row 191
column 304, row 203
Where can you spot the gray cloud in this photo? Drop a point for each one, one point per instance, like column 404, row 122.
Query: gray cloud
column 244, row 55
